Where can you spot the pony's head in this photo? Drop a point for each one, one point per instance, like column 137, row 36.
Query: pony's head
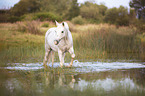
column 61, row 31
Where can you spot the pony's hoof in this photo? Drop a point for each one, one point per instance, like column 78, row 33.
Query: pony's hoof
column 45, row 66
column 61, row 66
column 69, row 66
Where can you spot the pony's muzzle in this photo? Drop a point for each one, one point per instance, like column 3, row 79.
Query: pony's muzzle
column 56, row 42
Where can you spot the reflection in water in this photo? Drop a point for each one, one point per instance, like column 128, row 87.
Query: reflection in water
column 108, row 84
column 58, row 80
column 117, row 78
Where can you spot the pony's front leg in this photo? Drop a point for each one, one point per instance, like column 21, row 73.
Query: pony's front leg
column 61, row 58
column 71, row 51
column 47, row 54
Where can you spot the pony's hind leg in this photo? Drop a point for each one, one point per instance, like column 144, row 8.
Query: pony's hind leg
column 49, row 56
column 46, row 57
column 52, row 53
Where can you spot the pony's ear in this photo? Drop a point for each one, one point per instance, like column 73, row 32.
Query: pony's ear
column 62, row 23
column 57, row 23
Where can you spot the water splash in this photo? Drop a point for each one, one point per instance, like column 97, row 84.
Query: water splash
column 79, row 66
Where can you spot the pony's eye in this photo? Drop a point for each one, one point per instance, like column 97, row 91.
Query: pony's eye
column 62, row 31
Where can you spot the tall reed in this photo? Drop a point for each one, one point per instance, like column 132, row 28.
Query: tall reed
column 107, row 40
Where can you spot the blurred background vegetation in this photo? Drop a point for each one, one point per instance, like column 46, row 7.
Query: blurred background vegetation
column 88, row 12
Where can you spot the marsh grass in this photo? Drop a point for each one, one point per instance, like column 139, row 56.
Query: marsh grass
column 16, row 46
column 98, row 42
column 23, row 54
column 90, row 42
column 32, row 27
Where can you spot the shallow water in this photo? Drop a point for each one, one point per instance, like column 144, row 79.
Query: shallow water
column 83, row 79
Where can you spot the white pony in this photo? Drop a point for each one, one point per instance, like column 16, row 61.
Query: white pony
column 58, row 39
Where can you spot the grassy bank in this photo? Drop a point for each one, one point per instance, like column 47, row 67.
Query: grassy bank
column 90, row 42
column 17, row 46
